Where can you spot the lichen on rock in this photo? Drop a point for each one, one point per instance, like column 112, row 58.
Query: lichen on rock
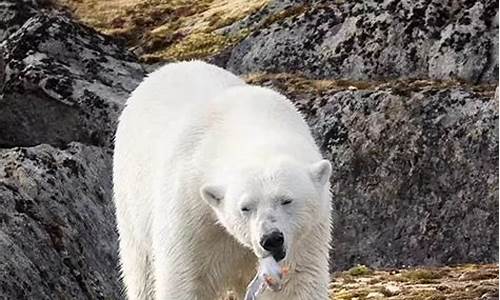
column 57, row 236
column 63, row 82
column 372, row 40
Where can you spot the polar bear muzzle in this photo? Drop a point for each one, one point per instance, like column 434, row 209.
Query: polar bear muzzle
column 273, row 242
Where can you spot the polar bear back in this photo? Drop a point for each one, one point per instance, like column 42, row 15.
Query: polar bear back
column 151, row 121
column 258, row 122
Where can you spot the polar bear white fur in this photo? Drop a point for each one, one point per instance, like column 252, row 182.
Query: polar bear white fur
column 204, row 165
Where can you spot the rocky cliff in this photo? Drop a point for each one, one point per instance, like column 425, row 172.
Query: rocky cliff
column 414, row 168
column 399, row 95
column 372, row 40
column 62, row 88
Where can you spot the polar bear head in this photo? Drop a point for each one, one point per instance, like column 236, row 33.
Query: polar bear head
column 268, row 208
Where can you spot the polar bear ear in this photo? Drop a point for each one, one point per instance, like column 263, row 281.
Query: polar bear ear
column 213, row 194
column 321, row 171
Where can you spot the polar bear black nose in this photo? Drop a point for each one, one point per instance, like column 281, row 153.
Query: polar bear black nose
column 272, row 241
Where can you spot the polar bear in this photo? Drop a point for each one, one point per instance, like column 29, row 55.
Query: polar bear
column 210, row 175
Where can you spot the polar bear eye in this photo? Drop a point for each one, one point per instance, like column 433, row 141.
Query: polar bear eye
column 286, row 201
column 245, row 209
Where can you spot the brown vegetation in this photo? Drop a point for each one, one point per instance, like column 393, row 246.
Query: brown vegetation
column 165, row 29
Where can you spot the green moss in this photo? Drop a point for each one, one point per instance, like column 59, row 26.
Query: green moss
column 360, row 270
column 421, row 275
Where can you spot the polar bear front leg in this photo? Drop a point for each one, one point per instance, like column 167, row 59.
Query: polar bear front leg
column 177, row 277
column 135, row 265
column 179, row 265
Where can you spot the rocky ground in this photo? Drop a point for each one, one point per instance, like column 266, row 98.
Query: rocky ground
column 399, row 95
column 465, row 282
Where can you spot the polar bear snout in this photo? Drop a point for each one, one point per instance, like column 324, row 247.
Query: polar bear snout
column 273, row 242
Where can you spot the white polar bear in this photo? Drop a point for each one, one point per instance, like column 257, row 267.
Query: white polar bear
column 211, row 174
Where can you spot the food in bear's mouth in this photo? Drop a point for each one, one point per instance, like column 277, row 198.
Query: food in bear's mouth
column 269, row 274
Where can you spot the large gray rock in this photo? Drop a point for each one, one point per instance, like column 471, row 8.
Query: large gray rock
column 377, row 40
column 415, row 178
column 63, row 82
column 57, row 237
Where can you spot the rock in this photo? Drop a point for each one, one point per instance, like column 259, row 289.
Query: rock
column 2, row 70
column 57, row 237
column 489, row 296
column 391, row 290
column 415, row 174
column 64, row 82
column 375, row 295
column 376, row 40
column 495, row 98
column 13, row 14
